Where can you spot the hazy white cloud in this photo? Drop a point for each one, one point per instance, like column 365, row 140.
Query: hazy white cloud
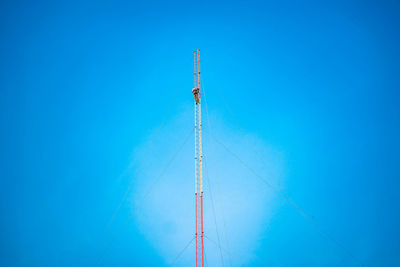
column 242, row 203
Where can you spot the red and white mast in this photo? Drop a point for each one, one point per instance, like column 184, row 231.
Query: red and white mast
column 198, row 163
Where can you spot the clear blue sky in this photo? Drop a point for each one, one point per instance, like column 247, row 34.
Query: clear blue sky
column 314, row 88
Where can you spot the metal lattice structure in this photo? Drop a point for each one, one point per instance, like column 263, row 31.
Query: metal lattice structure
column 198, row 163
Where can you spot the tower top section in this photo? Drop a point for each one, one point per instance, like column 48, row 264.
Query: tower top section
column 196, row 88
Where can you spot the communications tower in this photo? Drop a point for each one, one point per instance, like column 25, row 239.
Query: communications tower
column 198, row 191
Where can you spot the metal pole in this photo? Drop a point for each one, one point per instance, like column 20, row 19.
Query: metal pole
column 198, row 163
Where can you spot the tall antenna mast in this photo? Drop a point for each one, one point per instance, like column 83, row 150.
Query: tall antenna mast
column 198, row 158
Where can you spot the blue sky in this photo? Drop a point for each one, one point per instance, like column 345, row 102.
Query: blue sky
column 312, row 87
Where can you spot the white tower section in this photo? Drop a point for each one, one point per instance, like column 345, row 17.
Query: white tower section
column 198, row 158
